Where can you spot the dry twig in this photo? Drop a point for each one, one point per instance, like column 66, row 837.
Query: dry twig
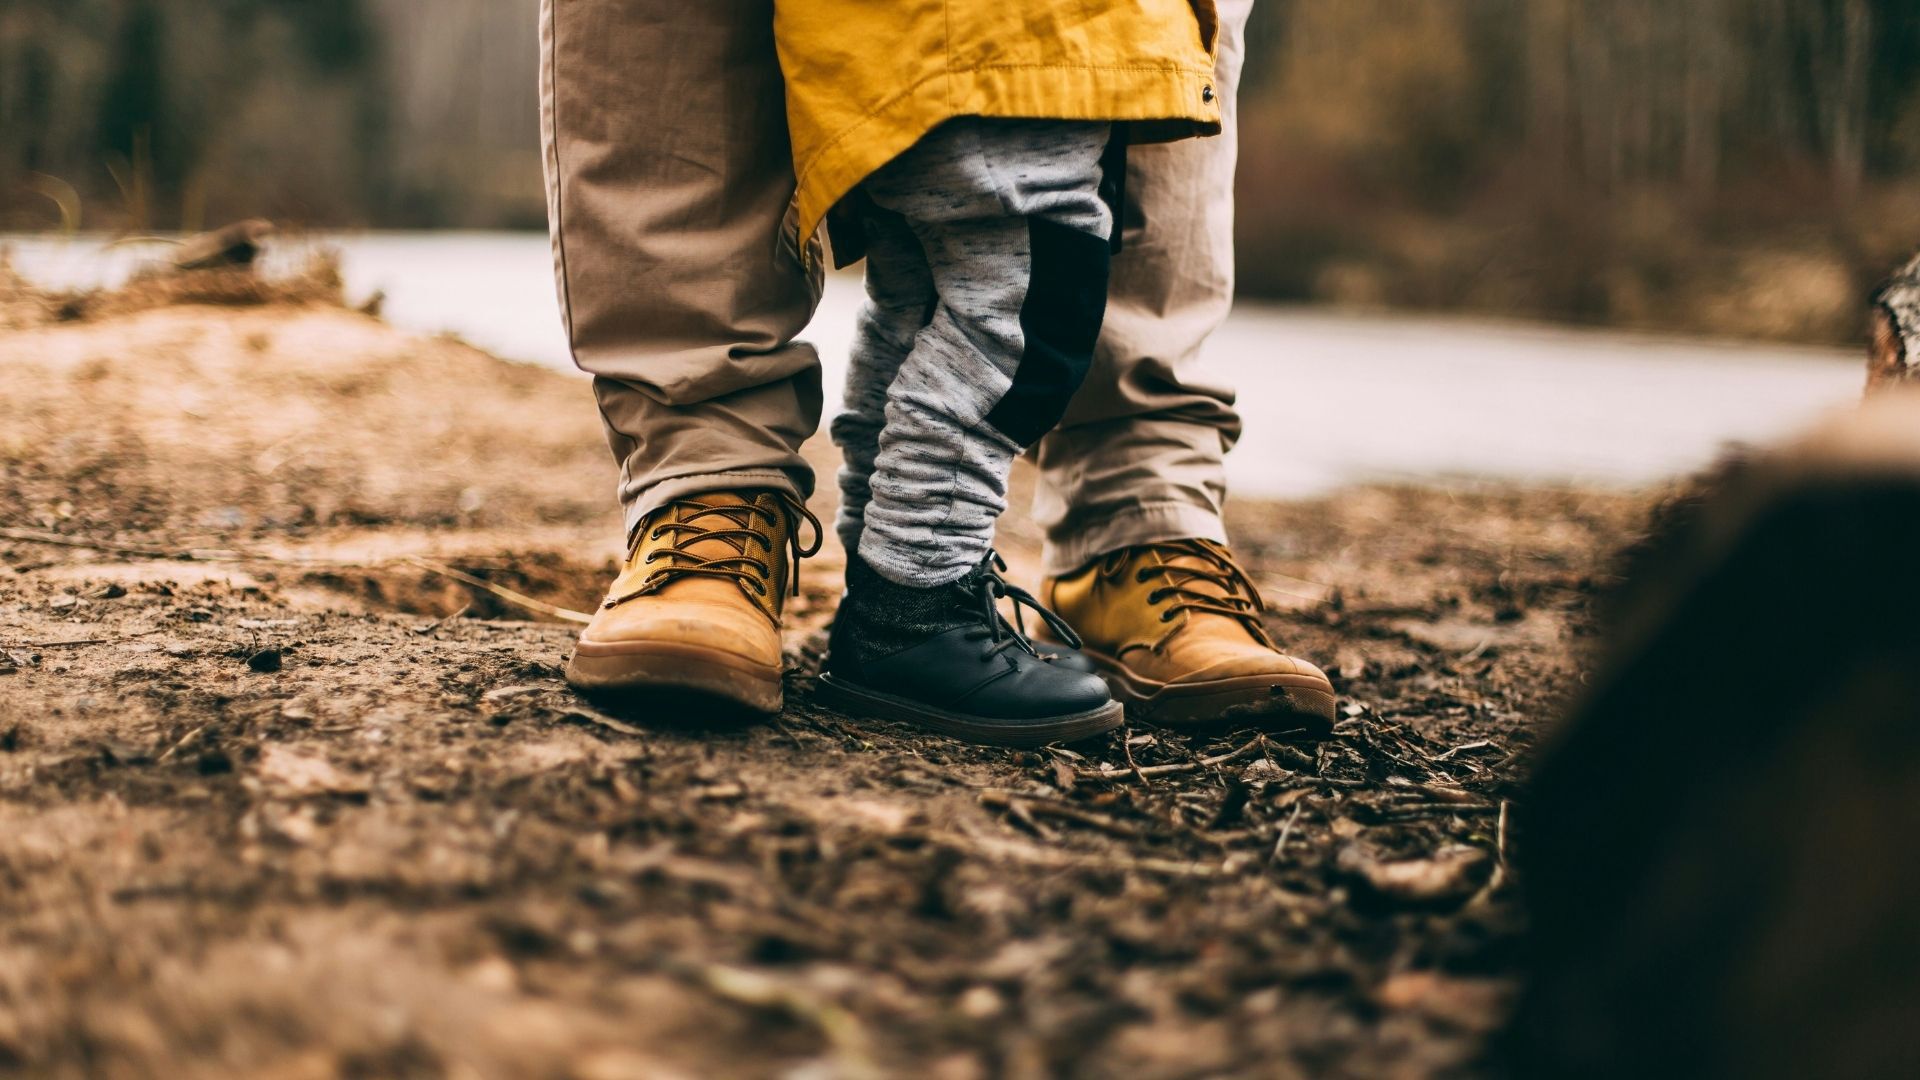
column 605, row 721
column 1126, row 747
column 852, row 1045
column 35, row 536
column 1051, row 859
column 52, row 539
column 1028, row 804
column 501, row 591
column 1252, row 749
column 1286, row 831
column 1478, row 744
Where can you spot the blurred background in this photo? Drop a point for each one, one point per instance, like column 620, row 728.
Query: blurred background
column 1522, row 262
column 1743, row 167
column 1460, row 220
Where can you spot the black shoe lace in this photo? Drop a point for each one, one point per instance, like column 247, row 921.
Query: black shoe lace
column 749, row 570
column 985, row 587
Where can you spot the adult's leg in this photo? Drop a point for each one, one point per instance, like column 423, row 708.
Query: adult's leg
column 668, row 174
column 1133, row 482
column 1140, row 456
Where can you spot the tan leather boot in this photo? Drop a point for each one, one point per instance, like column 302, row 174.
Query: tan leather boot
column 1175, row 628
column 697, row 607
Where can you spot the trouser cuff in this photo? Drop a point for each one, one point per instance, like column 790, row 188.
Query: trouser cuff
column 641, row 503
column 1152, row 523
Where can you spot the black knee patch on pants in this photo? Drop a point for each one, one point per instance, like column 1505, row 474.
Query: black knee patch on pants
column 1060, row 321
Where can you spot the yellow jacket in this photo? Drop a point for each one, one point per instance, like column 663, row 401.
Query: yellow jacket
column 867, row 78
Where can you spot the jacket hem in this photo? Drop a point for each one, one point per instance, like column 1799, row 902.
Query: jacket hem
column 1165, row 103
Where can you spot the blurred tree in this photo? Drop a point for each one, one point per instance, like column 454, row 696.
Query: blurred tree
column 1590, row 159
column 136, row 99
column 154, row 110
column 1635, row 161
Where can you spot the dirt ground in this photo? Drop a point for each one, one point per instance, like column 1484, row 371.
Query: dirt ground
column 281, row 798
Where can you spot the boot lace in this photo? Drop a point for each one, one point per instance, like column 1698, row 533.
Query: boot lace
column 737, row 523
column 985, row 587
column 1236, row 597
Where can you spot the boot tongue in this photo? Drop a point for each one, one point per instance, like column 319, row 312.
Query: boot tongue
column 701, row 516
column 715, row 512
column 1181, row 557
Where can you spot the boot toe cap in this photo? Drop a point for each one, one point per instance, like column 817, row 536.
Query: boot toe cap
column 1262, row 664
column 708, row 627
column 1037, row 692
column 1067, row 659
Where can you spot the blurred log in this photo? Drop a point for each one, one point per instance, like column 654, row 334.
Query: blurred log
column 1718, row 846
column 1894, row 350
column 238, row 244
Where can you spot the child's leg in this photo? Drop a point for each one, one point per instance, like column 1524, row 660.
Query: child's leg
column 1015, row 234
column 1011, row 234
column 900, row 300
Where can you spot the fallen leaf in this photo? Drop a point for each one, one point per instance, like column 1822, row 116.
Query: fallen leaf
column 1472, row 1004
column 291, row 772
column 885, row 818
column 621, row 1065
column 1451, row 874
column 1289, row 797
column 1063, row 776
column 506, row 693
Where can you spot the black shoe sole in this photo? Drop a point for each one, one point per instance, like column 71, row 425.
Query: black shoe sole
column 855, row 700
column 1719, row 849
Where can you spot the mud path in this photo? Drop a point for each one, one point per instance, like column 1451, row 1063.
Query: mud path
column 277, row 800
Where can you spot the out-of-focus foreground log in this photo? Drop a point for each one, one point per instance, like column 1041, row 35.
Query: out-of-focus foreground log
column 1719, row 846
column 1894, row 350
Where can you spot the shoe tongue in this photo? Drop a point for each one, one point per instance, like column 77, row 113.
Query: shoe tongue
column 1186, row 559
column 700, row 513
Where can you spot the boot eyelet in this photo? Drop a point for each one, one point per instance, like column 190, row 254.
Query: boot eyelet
column 1166, row 616
column 654, row 535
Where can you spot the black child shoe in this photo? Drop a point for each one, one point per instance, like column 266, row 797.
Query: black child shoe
column 944, row 659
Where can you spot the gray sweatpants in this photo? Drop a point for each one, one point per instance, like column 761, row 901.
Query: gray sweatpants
column 987, row 267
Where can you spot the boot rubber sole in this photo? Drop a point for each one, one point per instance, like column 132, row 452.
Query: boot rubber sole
column 855, row 700
column 634, row 669
column 1278, row 703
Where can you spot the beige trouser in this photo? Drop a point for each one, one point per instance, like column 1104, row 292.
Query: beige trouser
column 669, row 173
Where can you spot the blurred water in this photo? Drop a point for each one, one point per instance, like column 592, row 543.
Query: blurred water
column 1328, row 399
